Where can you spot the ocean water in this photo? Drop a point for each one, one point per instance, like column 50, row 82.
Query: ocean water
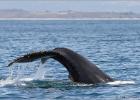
column 113, row 45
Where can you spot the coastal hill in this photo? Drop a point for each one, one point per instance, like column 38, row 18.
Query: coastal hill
column 69, row 14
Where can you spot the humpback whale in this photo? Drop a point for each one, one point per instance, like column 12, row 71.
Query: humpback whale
column 80, row 69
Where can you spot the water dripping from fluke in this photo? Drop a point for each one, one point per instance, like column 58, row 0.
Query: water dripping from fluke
column 18, row 77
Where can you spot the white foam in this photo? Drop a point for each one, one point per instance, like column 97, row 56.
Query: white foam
column 13, row 82
column 82, row 85
column 121, row 82
column 27, row 79
column 6, row 82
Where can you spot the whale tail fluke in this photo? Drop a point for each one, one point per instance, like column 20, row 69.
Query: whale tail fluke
column 80, row 69
column 30, row 57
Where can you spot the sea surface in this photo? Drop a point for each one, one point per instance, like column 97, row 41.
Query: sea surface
column 113, row 45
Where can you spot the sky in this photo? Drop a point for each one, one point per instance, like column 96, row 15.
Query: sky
column 76, row 5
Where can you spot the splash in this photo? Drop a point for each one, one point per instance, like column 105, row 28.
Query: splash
column 40, row 74
column 6, row 82
column 121, row 82
column 18, row 77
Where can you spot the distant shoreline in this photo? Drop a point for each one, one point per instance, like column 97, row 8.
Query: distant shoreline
column 69, row 18
column 20, row 14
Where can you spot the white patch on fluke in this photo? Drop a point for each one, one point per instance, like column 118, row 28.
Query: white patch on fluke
column 121, row 82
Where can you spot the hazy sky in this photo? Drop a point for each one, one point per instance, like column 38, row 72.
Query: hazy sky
column 77, row 5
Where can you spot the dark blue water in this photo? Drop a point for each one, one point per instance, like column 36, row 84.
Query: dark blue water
column 114, row 46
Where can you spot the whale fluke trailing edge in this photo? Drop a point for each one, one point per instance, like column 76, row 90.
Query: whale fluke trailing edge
column 80, row 69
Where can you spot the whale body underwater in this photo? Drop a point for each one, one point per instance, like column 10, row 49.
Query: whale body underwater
column 80, row 69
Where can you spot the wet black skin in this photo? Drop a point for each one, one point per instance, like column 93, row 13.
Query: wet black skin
column 80, row 69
